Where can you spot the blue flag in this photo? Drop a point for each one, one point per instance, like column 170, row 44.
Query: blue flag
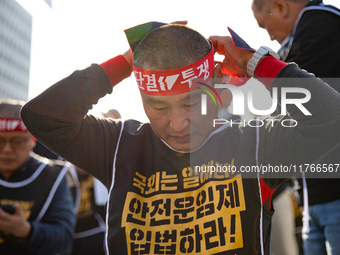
column 238, row 41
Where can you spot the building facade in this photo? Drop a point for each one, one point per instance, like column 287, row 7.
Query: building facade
column 15, row 50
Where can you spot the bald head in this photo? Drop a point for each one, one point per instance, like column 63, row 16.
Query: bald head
column 260, row 4
column 264, row 5
column 170, row 47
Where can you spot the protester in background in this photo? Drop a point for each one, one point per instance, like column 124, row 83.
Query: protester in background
column 42, row 221
column 308, row 32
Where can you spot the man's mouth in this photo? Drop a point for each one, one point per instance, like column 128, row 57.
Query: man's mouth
column 182, row 138
column 7, row 161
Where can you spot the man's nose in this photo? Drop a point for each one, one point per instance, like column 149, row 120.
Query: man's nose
column 7, row 147
column 179, row 120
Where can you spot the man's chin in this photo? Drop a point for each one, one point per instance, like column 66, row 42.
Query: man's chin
column 190, row 145
column 8, row 168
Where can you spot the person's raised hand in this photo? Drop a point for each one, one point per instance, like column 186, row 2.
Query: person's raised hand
column 128, row 55
column 235, row 60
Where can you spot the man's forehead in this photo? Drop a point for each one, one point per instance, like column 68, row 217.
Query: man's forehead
column 259, row 16
column 257, row 12
column 14, row 135
column 172, row 98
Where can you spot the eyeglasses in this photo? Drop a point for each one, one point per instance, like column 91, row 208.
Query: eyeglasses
column 15, row 143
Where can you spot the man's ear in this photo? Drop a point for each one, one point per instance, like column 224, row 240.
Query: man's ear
column 226, row 97
column 280, row 8
column 219, row 91
column 218, row 77
column 33, row 142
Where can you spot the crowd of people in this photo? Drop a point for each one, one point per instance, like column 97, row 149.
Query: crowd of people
column 154, row 200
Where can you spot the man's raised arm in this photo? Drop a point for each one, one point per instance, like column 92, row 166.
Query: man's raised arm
column 309, row 137
column 58, row 116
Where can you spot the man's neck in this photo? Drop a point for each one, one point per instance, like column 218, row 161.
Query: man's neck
column 294, row 10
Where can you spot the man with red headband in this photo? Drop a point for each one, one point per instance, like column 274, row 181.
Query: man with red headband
column 162, row 200
column 36, row 212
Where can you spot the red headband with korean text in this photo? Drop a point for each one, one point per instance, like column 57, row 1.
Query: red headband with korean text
column 183, row 79
column 176, row 81
column 12, row 125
